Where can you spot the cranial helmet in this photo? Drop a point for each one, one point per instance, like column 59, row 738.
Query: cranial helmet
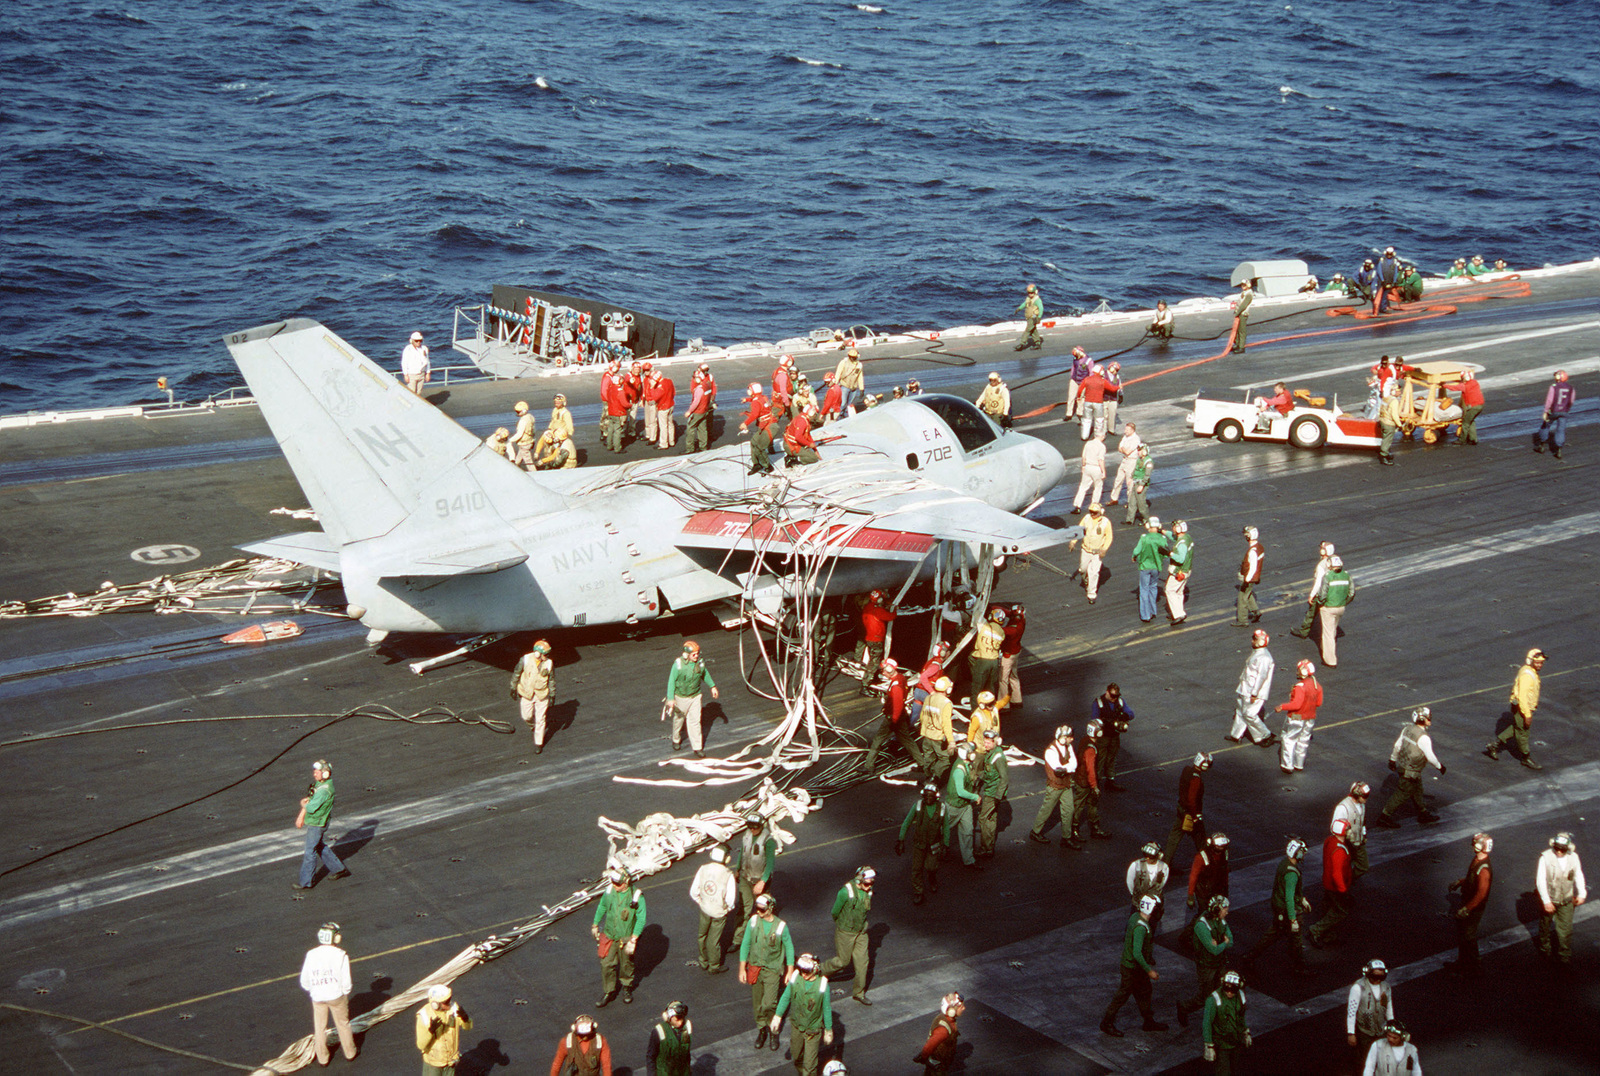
column 1421, row 714
column 1181, row 527
column 1562, row 841
column 1094, row 728
column 1251, row 533
column 1063, row 733
column 888, row 665
column 328, row 934
column 678, row 1009
column 950, row 1003
column 997, row 615
column 835, row 1068
column 764, row 902
column 543, row 646
column 930, row 789
column 1395, row 1027
column 1202, row 761
column 719, row 854
column 755, row 388
column 691, row 647
column 1219, row 903
column 1218, row 840
column 1305, row 667
column 1259, row 638
column 1151, row 849
column 866, row 875
column 1375, row 967
column 1336, row 563
column 1295, row 848
column 806, row 963
column 943, row 684
column 964, row 749
column 439, row 992
column 1232, row 980
column 1361, row 788
column 584, row 1026
column 985, row 698
column 1482, row 842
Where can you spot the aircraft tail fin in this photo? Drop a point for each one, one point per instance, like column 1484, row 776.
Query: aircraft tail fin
column 368, row 453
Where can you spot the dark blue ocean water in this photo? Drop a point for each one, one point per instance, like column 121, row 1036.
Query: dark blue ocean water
column 173, row 170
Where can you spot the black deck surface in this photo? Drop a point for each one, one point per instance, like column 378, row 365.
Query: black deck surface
column 180, row 926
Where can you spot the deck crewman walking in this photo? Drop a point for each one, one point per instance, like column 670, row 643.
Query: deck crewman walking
column 618, row 921
column 1031, row 308
column 765, row 956
column 684, row 682
column 316, row 810
column 533, row 685
column 850, row 910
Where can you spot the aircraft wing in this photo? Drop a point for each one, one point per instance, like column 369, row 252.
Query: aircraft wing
column 313, row 548
column 902, row 527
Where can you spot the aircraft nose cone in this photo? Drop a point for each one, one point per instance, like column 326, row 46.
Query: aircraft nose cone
column 1049, row 465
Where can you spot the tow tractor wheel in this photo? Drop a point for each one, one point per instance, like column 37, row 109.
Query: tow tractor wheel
column 1308, row 432
column 1429, row 436
column 1230, row 432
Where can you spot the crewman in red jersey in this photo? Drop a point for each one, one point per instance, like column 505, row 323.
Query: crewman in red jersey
column 798, row 444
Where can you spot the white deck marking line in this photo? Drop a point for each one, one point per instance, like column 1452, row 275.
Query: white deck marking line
column 1494, row 545
column 1495, row 341
column 1067, row 975
column 204, row 864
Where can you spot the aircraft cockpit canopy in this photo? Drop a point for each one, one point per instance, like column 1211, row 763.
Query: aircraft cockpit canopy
column 971, row 426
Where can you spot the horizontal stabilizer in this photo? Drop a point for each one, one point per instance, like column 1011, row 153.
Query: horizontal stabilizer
column 471, row 560
column 313, row 548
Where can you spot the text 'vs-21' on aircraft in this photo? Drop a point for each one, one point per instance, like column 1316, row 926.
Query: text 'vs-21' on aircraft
column 432, row 531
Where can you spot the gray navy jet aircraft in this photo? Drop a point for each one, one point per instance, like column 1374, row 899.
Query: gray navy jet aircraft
column 432, row 531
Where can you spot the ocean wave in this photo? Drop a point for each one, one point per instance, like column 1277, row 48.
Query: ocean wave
column 790, row 58
column 144, row 219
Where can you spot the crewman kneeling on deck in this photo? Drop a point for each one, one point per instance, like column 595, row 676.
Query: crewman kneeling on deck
column 1161, row 327
column 499, row 443
column 555, row 453
column 799, row 446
